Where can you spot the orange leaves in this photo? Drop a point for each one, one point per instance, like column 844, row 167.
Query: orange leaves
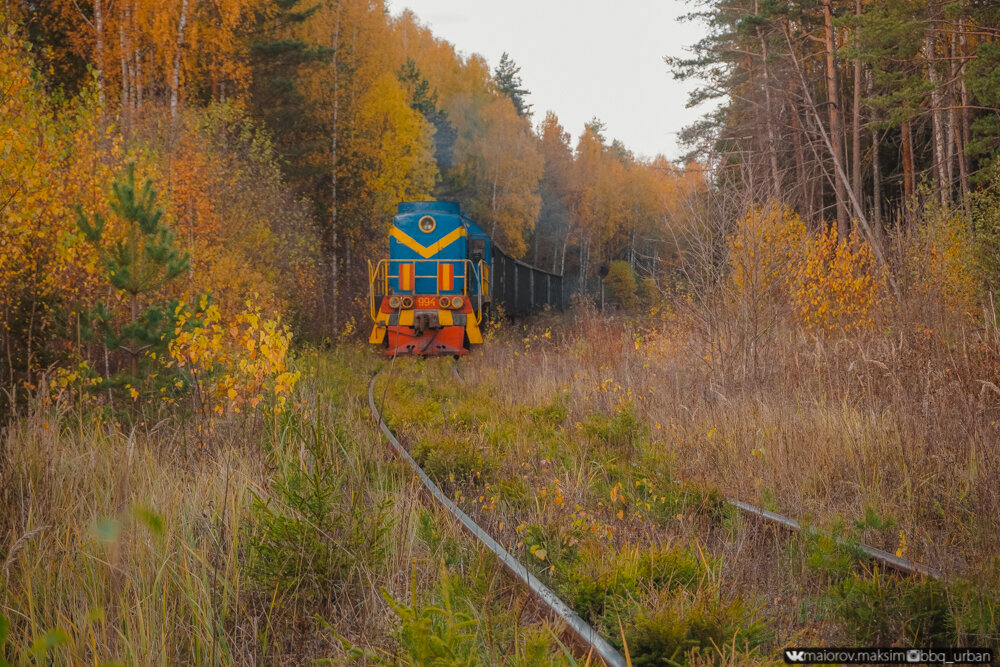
column 830, row 285
column 838, row 285
column 49, row 162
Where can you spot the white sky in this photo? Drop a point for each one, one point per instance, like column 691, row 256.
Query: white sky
column 582, row 58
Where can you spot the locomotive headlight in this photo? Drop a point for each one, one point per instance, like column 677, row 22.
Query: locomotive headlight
column 407, row 302
column 456, row 302
column 444, row 302
column 427, row 224
column 394, row 302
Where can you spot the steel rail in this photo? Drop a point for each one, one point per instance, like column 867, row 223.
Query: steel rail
column 888, row 559
column 579, row 627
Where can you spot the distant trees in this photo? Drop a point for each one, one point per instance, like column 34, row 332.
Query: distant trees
column 340, row 110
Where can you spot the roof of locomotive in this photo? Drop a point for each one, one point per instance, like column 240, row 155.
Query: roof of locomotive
column 409, row 211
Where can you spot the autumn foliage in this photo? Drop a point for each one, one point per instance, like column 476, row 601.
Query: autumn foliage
column 220, row 201
column 828, row 284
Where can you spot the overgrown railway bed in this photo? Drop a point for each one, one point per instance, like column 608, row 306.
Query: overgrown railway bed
column 593, row 643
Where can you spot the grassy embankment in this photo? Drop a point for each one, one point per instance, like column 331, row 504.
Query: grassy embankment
column 250, row 540
column 601, row 453
column 270, row 540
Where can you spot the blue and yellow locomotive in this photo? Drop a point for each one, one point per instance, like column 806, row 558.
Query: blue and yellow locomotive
column 428, row 297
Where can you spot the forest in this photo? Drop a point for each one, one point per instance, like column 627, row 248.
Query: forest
column 799, row 313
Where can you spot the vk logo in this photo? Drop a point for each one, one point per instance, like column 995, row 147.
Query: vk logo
column 795, row 656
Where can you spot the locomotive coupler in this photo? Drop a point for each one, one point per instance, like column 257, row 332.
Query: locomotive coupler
column 425, row 321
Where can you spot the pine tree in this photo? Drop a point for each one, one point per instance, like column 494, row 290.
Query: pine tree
column 138, row 265
column 425, row 101
column 277, row 55
column 508, row 82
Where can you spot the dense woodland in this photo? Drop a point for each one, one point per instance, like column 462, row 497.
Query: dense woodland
column 850, row 112
column 279, row 136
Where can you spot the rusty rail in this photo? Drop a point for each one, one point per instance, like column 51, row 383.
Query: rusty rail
column 579, row 627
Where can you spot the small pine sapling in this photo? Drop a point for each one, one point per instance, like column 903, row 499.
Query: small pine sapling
column 138, row 265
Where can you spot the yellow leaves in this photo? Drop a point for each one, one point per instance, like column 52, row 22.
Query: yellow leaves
column 941, row 259
column 838, row 285
column 901, row 549
column 828, row 283
column 239, row 362
column 765, row 247
column 392, row 148
column 616, row 494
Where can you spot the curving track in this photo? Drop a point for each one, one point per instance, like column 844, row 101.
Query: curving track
column 577, row 625
column 557, row 607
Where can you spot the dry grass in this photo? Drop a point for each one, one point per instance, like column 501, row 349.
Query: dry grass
column 141, row 546
column 883, row 437
column 598, row 448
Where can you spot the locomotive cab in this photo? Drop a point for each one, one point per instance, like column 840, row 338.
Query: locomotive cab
column 427, row 298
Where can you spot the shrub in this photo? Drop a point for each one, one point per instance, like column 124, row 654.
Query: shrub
column 452, row 458
column 838, row 286
column 941, row 261
column 986, row 220
column 831, row 284
column 705, row 622
column 622, row 429
column 554, row 413
column 436, row 634
column 602, row 579
column 765, row 250
column 314, row 540
column 884, row 608
column 622, row 286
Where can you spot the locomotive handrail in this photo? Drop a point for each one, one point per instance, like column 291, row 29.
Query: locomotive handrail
column 381, row 268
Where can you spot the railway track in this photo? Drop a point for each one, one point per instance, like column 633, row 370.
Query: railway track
column 580, row 628
column 550, row 600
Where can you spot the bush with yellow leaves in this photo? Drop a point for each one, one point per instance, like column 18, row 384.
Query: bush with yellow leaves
column 766, row 250
column 828, row 284
column 838, row 285
column 235, row 363
column 941, row 263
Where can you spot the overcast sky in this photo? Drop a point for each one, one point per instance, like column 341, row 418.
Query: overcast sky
column 582, row 58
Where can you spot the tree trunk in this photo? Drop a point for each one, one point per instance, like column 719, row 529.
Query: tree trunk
column 876, row 170
column 123, row 59
column 175, row 78
column 800, row 162
column 907, row 144
column 772, row 144
column 562, row 257
column 840, row 176
column 137, row 78
column 99, row 55
column 856, row 119
column 936, row 120
column 836, row 123
column 950, row 136
column 963, row 112
column 334, row 276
